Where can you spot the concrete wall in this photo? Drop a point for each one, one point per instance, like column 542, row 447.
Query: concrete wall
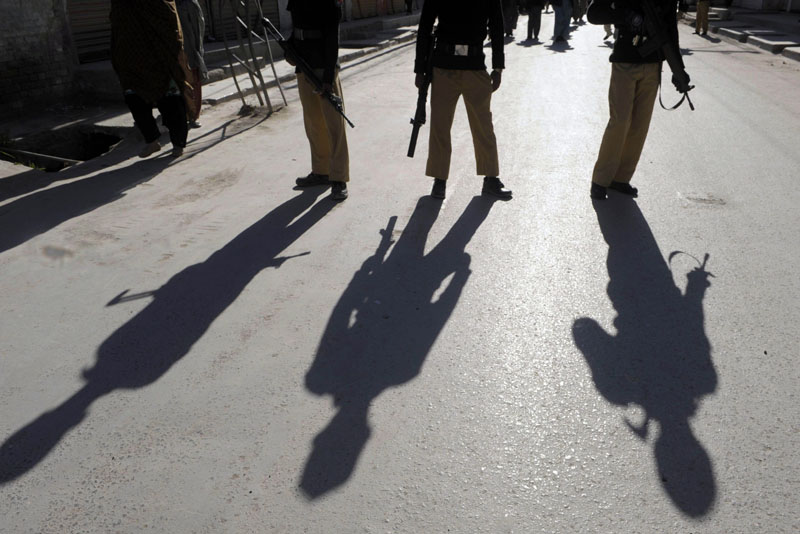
column 37, row 61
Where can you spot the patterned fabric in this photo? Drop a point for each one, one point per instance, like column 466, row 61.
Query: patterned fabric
column 193, row 26
column 147, row 50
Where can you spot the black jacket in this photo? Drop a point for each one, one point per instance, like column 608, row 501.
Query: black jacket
column 461, row 22
column 321, row 16
column 619, row 13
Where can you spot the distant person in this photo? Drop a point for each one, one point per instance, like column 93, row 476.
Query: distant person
column 147, row 55
column 315, row 35
column 459, row 69
column 193, row 25
column 578, row 10
column 631, row 94
column 510, row 16
column 563, row 12
column 701, row 21
column 534, row 9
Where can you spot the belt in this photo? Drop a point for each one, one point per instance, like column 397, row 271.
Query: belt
column 447, row 49
column 302, row 35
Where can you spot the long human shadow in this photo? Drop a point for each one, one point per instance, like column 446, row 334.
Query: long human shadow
column 382, row 329
column 143, row 349
column 32, row 180
column 660, row 357
column 35, row 214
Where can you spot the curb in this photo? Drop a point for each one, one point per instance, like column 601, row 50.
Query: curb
column 772, row 41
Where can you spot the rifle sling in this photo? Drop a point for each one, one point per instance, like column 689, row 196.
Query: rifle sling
column 676, row 106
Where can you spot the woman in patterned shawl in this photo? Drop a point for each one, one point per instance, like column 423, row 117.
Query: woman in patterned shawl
column 148, row 57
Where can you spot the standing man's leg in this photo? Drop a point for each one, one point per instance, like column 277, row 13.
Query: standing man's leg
column 337, row 137
column 316, row 132
column 621, row 94
column 534, row 23
column 704, row 6
column 478, row 99
column 643, row 101
column 327, row 139
column 445, row 92
column 477, row 91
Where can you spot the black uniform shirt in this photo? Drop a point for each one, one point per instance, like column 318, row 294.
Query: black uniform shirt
column 462, row 22
column 616, row 11
column 322, row 16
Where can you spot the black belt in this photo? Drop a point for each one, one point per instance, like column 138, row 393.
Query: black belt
column 447, row 49
column 302, row 35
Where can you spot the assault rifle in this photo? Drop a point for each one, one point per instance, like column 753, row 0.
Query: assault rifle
column 659, row 40
column 290, row 52
column 422, row 99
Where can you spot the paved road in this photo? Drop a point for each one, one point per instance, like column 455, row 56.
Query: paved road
column 192, row 346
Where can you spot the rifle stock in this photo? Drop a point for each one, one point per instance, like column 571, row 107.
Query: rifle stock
column 290, row 52
column 420, row 117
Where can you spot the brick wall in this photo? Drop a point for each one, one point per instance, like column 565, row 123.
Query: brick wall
column 37, row 60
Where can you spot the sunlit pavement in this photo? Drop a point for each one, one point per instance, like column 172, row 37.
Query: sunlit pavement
column 193, row 346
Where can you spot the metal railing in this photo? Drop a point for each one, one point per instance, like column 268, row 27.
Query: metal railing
column 245, row 54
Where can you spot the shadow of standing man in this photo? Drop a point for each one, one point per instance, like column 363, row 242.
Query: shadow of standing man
column 381, row 331
column 146, row 347
column 660, row 358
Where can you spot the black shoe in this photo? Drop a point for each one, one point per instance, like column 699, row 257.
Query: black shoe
column 598, row 192
column 493, row 186
column 625, row 188
column 439, row 188
column 338, row 190
column 312, row 179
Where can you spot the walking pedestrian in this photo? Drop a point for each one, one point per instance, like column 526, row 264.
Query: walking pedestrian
column 579, row 10
column 147, row 55
column 701, row 22
column 193, row 25
column 534, row 9
column 563, row 12
column 510, row 16
column 315, row 36
column 632, row 91
column 459, row 69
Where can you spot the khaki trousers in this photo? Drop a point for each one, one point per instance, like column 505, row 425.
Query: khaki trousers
column 701, row 21
column 476, row 88
column 325, row 130
column 631, row 97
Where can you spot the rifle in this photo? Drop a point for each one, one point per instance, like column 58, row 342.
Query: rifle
column 290, row 52
column 659, row 39
column 422, row 99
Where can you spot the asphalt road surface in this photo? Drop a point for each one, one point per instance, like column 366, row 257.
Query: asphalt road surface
column 192, row 346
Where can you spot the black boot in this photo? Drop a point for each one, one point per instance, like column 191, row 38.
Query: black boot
column 439, row 188
column 624, row 188
column 338, row 190
column 493, row 186
column 598, row 192
column 312, row 179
